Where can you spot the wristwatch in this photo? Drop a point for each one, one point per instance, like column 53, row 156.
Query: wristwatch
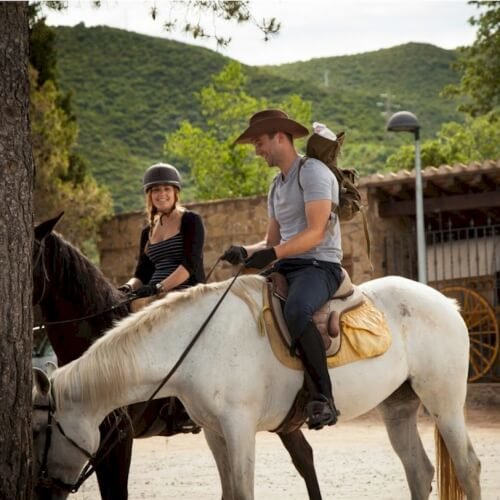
column 159, row 287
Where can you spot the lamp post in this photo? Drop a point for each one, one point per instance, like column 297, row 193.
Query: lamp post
column 404, row 121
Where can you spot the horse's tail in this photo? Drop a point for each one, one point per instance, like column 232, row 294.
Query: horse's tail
column 447, row 483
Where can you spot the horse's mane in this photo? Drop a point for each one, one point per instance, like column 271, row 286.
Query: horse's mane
column 77, row 278
column 110, row 365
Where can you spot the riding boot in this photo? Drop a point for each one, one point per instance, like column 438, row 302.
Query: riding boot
column 321, row 409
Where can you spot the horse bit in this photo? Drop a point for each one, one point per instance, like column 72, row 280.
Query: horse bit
column 44, row 480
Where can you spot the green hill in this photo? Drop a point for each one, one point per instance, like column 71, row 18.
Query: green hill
column 413, row 74
column 131, row 89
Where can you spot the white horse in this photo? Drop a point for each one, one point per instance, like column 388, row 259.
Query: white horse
column 233, row 386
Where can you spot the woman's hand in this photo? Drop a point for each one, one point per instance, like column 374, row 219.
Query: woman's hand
column 147, row 291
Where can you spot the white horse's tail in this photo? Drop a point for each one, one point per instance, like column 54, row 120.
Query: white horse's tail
column 447, row 483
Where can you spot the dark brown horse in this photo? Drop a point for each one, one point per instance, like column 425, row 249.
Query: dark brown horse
column 68, row 286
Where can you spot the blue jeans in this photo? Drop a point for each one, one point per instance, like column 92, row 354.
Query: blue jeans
column 311, row 283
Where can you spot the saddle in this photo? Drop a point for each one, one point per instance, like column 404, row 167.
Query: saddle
column 326, row 319
column 351, row 327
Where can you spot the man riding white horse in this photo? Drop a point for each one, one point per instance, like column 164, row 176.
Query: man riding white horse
column 303, row 237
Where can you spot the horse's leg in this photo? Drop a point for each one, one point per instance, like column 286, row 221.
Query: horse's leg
column 302, row 457
column 217, row 445
column 399, row 412
column 446, row 404
column 112, row 472
column 239, row 435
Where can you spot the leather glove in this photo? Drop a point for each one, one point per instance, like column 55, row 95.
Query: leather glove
column 235, row 255
column 261, row 258
column 146, row 291
column 126, row 288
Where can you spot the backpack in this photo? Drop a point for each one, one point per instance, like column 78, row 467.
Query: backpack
column 327, row 151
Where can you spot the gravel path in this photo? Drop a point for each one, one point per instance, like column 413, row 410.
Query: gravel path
column 354, row 461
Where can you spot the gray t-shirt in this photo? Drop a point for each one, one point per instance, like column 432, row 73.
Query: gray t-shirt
column 286, row 203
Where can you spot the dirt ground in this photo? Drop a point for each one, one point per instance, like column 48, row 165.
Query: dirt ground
column 354, row 460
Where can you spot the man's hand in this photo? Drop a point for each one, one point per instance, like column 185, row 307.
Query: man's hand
column 146, row 291
column 261, row 258
column 235, row 255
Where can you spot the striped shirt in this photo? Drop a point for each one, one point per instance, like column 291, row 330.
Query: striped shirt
column 167, row 256
column 193, row 236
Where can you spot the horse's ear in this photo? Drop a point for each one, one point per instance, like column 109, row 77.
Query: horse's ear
column 45, row 228
column 42, row 382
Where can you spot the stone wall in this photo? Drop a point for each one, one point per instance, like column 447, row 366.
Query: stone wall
column 227, row 222
column 239, row 221
column 244, row 220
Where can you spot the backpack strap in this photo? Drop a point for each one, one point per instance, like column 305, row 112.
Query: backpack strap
column 336, row 207
column 301, row 164
column 367, row 236
column 273, row 188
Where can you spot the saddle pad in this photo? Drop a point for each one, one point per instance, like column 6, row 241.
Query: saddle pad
column 364, row 333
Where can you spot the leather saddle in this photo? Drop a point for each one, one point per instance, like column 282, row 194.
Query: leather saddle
column 326, row 319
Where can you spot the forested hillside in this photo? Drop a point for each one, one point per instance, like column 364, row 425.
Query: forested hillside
column 130, row 90
column 411, row 76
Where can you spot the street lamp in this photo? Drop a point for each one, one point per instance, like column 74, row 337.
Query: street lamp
column 404, row 121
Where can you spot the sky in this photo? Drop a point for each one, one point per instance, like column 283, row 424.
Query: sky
column 309, row 28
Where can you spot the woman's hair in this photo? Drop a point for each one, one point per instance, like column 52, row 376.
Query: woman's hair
column 152, row 212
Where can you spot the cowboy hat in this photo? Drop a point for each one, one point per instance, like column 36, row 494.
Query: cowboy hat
column 270, row 121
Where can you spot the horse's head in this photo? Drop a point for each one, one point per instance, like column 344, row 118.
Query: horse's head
column 39, row 267
column 63, row 441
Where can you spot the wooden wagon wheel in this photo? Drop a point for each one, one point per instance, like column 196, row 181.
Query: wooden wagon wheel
column 481, row 321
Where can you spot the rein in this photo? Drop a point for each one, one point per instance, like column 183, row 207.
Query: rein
column 213, row 267
column 94, row 460
column 41, row 326
column 193, row 341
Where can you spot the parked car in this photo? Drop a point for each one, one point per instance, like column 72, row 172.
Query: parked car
column 43, row 354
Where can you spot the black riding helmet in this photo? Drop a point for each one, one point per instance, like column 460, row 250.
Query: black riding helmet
column 161, row 173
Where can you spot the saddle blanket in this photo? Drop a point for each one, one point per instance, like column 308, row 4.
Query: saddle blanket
column 364, row 334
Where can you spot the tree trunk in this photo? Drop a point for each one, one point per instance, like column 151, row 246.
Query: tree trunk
column 16, row 241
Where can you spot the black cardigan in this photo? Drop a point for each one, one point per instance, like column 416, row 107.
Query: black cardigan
column 193, row 234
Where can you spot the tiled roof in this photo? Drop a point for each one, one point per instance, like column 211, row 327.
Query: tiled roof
column 489, row 167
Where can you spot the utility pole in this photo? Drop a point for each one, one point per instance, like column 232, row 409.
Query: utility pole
column 387, row 104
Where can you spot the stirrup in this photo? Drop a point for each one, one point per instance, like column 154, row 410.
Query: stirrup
column 177, row 419
column 188, row 427
column 320, row 412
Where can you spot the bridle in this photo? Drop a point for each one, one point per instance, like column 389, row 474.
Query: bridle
column 44, row 480
column 39, row 256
